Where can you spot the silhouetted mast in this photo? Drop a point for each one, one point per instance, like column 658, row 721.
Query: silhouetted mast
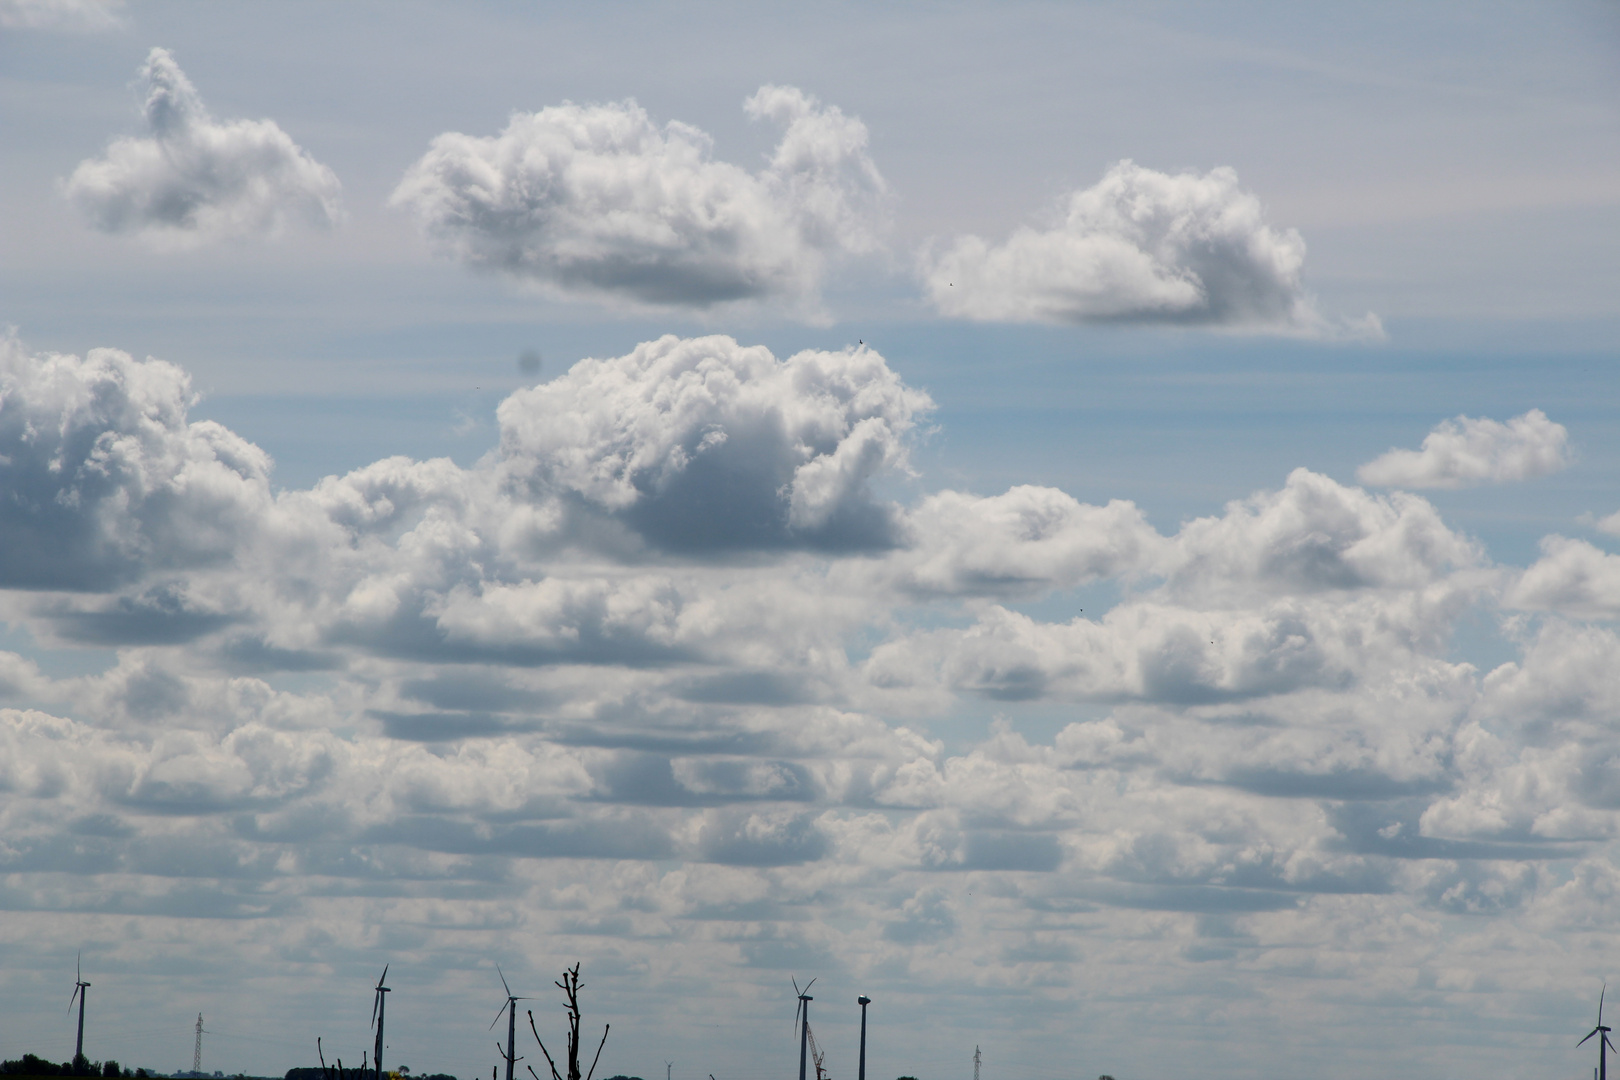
column 79, row 987
column 379, row 1006
column 196, row 1052
column 510, row 1008
column 1604, row 1045
column 863, row 1001
column 803, row 1012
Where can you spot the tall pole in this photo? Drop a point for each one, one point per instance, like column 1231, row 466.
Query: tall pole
column 382, row 1007
column 863, row 1001
column 804, row 1032
column 975, row 1063
column 511, row 1036
column 196, row 1053
column 78, row 1047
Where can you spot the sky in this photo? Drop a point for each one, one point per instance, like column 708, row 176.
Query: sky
column 1096, row 526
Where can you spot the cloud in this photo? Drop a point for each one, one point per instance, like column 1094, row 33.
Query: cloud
column 665, row 679
column 703, row 444
column 598, row 200
column 104, row 477
column 1139, row 246
column 1020, row 543
column 87, row 15
column 1466, row 452
column 1572, row 577
column 1315, row 535
column 193, row 179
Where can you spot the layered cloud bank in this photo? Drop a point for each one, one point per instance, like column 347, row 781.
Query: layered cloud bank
column 664, row 682
column 600, row 200
column 193, row 179
column 1139, row 246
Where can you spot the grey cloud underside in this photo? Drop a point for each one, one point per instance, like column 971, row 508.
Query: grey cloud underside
column 663, row 664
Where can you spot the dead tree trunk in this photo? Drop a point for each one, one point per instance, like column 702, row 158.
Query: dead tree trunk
column 570, row 985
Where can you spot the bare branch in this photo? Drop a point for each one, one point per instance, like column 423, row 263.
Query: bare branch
column 554, row 1074
column 598, row 1056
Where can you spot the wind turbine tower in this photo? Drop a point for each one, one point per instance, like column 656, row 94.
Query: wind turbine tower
column 379, row 1006
column 863, row 1001
column 803, row 1013
column 975, row 1062
column 196, row 1053
column 1604, row 1045
column 510, row 1008
column 79, row 987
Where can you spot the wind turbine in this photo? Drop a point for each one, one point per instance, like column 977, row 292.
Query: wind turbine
column 803, row 1010
column 1603, row 1057
column 79, row 988
column 379, row 1006
column 510, row 1009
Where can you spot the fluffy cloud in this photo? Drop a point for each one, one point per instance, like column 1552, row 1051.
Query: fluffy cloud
column 599, row 200
column 194, row 179
column 1573, row 577
column 704, row 444
column 1465, row 452
column 104, row 478
column 1024, row 542
column 61, row 14
column 1314, row 535
column 1138, row 246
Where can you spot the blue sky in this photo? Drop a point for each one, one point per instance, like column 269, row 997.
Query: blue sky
column 1095, row 525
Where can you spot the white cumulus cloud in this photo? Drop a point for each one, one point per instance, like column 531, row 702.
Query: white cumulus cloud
column 1572, row 577
column 1138, row 246
column 193, row 179
column 600, row 200
column 104, row 478
column 703, row 443
column 1466, row 452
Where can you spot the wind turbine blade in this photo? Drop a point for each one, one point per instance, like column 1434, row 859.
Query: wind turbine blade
column 376, row 999
column 809, row 984
column 384, row 976
column 76, row 988
column 1605, row 990
column 498, row 1016
column 502, row 974
column 78, row 974
column 1607, row 1043
column 1589, row 1034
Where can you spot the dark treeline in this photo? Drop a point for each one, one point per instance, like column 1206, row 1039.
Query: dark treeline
column 31, row 1065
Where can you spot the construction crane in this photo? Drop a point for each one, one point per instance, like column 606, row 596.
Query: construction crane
column 816, row 1053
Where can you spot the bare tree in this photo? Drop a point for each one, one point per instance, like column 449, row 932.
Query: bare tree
column 570, row 985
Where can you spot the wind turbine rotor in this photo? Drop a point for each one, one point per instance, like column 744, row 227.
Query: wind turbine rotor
column 377, row 992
